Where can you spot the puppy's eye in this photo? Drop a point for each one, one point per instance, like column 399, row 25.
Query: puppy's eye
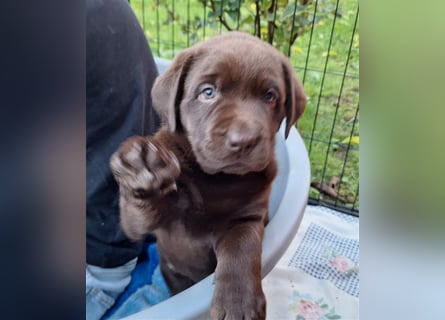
column 208, row 92
column 271, row 96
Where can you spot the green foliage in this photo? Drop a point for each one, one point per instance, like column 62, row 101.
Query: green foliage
column 278, row 22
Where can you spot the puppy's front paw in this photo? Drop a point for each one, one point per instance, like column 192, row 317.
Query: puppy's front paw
column 233, row 301
column 145, row 167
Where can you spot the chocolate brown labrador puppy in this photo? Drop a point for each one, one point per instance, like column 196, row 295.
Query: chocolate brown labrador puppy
column 202, row 183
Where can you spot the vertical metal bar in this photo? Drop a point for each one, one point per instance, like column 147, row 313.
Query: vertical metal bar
column 173, row 28
column 239, row 15
column 143, row 14
column 304, row 75
column 204, row 3
column 270, row 37
column 158, row 36
column 347, row 151
column 292, row 30
column 322, row 82
column 310, row 41
column 188, row 23
column 339, row 96
column 220, row 14
column 356, row 111
column 257, row 26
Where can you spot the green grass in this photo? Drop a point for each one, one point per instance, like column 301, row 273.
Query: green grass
column 329, row 74
column 326, row 113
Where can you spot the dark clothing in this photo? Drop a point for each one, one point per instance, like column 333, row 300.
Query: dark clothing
column 120, row 73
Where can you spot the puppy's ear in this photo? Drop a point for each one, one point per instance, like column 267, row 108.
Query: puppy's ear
column 295, row 97
column 168, row 89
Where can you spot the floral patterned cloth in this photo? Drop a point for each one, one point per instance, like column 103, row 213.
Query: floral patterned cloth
column 318, row 276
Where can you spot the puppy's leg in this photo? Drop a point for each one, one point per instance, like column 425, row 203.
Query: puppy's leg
column 145, row 171
column 238, row 290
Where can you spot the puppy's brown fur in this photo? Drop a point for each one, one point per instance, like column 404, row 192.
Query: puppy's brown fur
column 202, row 183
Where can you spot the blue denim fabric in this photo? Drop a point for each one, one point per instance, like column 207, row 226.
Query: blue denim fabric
column 103, row 286
column 97, row 303
column 144, row 297
column 147, row 286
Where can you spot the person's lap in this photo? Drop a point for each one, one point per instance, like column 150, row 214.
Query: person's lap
column 120, row 72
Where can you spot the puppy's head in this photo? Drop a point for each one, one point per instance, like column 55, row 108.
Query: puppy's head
column 229, row 95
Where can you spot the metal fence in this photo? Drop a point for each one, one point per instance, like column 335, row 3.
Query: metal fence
column 321, row 38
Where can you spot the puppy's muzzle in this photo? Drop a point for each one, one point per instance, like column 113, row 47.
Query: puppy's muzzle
column 240, row 138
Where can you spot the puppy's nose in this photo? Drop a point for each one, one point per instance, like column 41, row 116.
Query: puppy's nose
column 241, row 139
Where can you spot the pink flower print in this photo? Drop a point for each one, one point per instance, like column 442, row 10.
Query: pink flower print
column 309, row 310
column 342, row 264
